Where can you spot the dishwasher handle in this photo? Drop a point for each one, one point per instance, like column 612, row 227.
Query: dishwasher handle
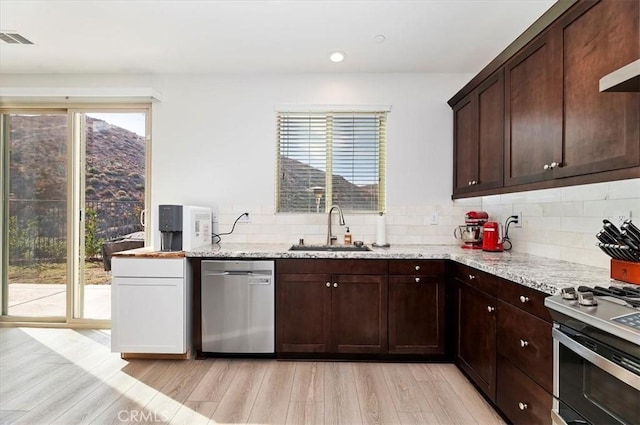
column 231, row 273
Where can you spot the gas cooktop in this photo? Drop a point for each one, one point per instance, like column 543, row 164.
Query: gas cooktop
column 614, row 310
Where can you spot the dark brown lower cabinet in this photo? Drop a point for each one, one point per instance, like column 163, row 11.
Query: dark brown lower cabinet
column 303, row 313
column 477, row 337
column 416, row 314
column 520, row 398
column 331, row 313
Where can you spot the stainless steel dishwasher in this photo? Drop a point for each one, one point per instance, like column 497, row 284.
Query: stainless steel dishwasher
column 238, row 307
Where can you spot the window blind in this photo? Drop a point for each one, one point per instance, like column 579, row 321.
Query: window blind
column 331, row 158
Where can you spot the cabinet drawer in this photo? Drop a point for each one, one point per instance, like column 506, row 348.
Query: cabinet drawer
column 417, row 267
column 527, row 299
column 519, row 398
column 526, row 341
column 147, row 267
column 332, row 266
column 481, row 280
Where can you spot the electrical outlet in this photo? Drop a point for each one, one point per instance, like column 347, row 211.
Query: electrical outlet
column 434, row 218
column 618, row 217
column 246, row 218
column 519, row 218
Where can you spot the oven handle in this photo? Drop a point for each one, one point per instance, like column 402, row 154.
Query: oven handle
column 607, row 365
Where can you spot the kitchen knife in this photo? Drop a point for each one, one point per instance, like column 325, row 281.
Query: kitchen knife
column 620, row 253
column 624, row 249
column 612, row 230
column 607, row 251
column 605, row 237
column 633, row 243
column 631, row 229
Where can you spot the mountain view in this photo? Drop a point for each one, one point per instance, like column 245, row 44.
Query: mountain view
column 39, row 175
column 298, row 178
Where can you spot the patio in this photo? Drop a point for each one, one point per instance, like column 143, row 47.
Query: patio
column 46, row 300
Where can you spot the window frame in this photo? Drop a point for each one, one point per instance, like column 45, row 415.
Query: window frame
column 378, row 112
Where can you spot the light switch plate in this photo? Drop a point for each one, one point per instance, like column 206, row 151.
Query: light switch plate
column 434, row 218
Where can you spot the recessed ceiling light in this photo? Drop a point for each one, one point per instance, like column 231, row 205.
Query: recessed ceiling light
column 336, row 57
column 379, row 39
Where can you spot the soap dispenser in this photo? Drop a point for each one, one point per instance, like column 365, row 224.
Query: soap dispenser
column 347, row 237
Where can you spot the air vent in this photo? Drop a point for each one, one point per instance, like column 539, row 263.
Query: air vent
column 13, row 38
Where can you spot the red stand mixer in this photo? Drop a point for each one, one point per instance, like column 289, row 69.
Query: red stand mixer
column 471, row 232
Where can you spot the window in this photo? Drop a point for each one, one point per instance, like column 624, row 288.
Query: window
column 331, row 158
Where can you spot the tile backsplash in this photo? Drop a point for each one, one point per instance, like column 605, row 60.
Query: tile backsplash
column 557, row 223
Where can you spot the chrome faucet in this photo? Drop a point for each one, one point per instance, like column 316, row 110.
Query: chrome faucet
column 330, row 237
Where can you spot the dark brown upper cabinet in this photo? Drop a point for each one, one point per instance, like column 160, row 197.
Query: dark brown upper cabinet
column 533, row 136
column 559, row 129
column 478, row 138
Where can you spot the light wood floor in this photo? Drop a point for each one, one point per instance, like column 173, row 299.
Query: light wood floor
column 70, row 377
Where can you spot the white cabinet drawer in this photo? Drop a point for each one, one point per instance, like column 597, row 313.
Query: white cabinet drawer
column 147, row 267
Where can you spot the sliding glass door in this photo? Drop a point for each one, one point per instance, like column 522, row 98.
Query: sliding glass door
column 35, row 237
column 111, row 199
column 73, row 186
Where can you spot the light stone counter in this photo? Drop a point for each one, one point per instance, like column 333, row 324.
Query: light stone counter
column 544, row 274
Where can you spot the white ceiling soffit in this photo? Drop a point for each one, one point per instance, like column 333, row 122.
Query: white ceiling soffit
column 206, row 36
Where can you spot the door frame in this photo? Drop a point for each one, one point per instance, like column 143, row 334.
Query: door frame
column 76, row 162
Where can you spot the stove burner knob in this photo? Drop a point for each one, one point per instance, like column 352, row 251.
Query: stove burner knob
column 587, row 298
column 569, row 294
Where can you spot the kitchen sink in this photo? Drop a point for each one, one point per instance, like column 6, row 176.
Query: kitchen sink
column 330, row 248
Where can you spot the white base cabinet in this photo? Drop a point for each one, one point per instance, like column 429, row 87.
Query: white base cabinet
column 150, row 305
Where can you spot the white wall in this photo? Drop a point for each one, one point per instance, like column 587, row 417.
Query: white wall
column 214, row 145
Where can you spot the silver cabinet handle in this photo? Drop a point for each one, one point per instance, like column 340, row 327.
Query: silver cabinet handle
column 554, row 164
column 471, row 277
column 522, row 406
column 417, row 280
column 475, row 182
column 523, row 299
column 546, row 167
column 335, row 284
column 491, row 309
column 417, row 267
column 469, row 182
column 524, row 343
column 328, row 284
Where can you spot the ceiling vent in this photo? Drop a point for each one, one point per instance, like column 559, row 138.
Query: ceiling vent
column 13, row 38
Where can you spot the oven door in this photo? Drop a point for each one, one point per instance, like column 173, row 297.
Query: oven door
column 593, row 383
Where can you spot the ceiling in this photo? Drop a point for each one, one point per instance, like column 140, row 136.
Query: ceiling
column 170, row 36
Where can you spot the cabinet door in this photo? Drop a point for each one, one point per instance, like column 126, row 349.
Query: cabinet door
column 465, row 143
column 477, row 337
column 533, row 90
column 601, row 130
column 141, row 326
column 359, row 314
column 490, row 132
column 416, row 315
column 303, row 313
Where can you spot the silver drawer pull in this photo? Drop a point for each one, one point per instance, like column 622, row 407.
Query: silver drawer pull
column 335, row 285
column 522, row 406
column 471, row 277
column 524, row 343
column 328, row 284
column 417, row 267
column 523, row 299
column 417, row 280
column 490, row 309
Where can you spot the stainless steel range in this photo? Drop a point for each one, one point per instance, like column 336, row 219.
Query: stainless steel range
column 596, row 342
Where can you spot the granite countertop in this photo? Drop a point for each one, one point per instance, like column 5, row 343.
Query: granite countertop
column 544, row 274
